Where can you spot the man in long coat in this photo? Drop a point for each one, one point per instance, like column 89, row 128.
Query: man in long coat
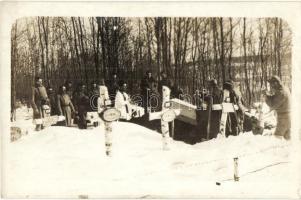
column 146, row 89
column 65, row 106
column 39, row 99
column 94, row 95
column 215, row 96
column 82, row 105
column 113, row 85
column 52, row 101
column 235, row 120
column 279, row 100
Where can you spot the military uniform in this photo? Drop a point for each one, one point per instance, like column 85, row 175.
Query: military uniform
column 146, row 91
column 65, row 107
column 39, row 99
column 280, row 102
column 82, row 104
column 235, row 120
column 52, row 101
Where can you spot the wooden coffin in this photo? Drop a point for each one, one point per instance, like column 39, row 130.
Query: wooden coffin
column 187, row 111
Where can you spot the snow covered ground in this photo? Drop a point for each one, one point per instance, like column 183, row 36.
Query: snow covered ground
column 68, row 162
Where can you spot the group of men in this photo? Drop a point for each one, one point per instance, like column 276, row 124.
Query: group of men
column 277, row 98
column 74, row 104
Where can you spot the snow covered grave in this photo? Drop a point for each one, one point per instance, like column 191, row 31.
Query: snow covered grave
column 61, row 162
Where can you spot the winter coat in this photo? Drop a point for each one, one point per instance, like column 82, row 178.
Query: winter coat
column 146, row 84
column 122, row 103
column 235, row 120
column 82, row 104
column 70, row 92
column 217, row 95
column 39, row 98
column 112, row 88
column 81, row 101
column 94, row 94
column 146, row 91
column 217, row 98
column 65, row 107
column 280, row 102
column 52, row 102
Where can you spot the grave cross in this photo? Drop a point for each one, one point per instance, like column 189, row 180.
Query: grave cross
column 109, row 115
column 226, row 108
column 166, row 115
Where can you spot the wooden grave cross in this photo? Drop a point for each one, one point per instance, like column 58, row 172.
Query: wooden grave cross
column 226, row 108
column 109, row 115
column 167, row 114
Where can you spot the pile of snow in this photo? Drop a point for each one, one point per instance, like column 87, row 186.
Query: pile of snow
column 68, row 162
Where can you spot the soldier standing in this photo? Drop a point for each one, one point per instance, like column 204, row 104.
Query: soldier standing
column 52, row 101
column 146, row 89
column 215, row 96
column 39, row 99
column 113, row 87
column 235, row 120
column 69, row 89
column 82, row 104
column 279, row 100
column 94, row 95
column 65, row 106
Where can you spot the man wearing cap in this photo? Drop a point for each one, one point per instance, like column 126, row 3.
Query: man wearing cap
column 279, row 100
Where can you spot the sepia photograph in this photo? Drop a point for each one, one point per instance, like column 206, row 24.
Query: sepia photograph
column 151, row 107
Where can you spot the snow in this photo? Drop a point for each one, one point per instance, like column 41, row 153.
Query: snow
column 61, row 162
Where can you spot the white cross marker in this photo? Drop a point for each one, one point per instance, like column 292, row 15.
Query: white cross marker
column 166, row 115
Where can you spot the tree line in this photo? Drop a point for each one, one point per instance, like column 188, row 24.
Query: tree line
column 189, row 50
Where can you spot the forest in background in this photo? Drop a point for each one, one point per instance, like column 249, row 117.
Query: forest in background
column 189, row 50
